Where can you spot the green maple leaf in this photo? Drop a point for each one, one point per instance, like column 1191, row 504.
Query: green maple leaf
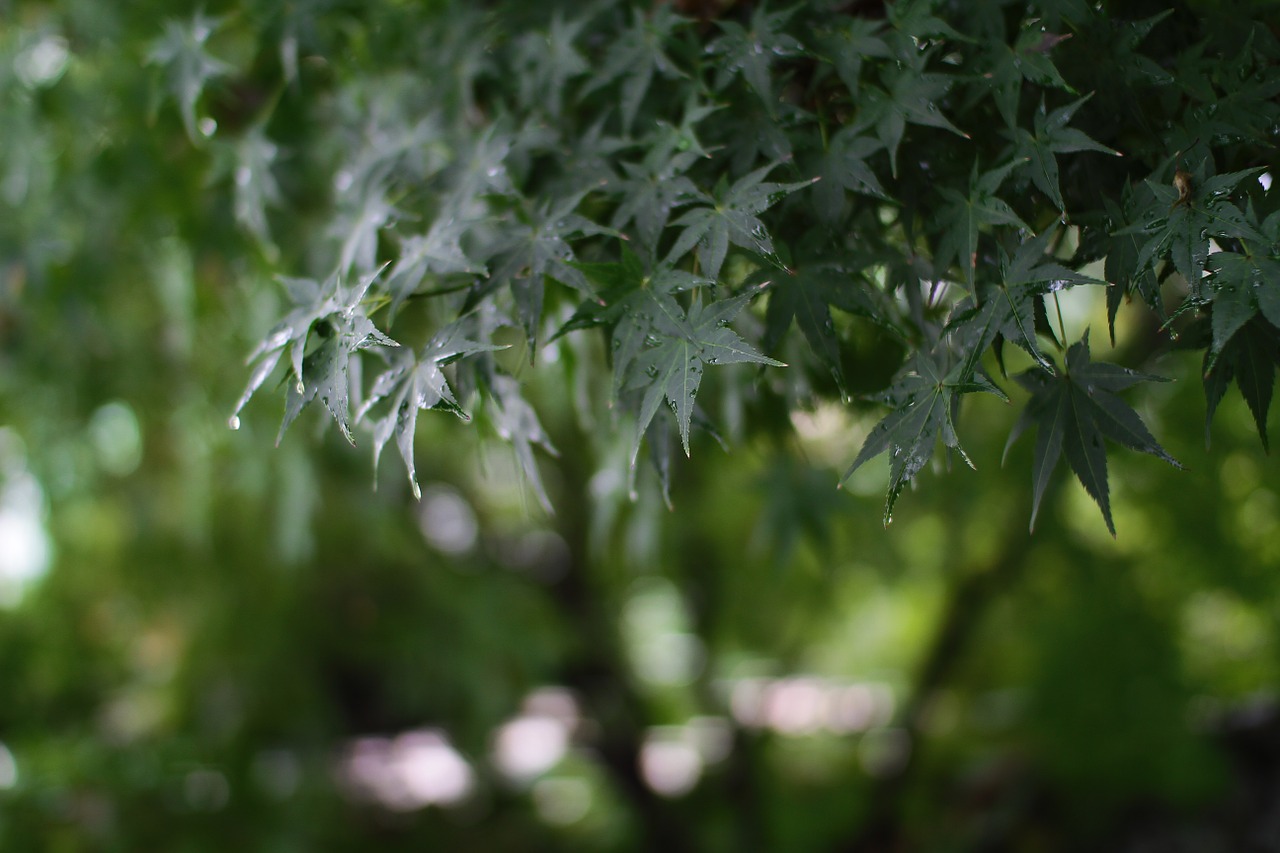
column 546, row 61
column 635, row 55
column 1250, row 357
column 1179, row 227
column 1008, row 306
column 635, row 304
column 438, row 252
column 1195, row 73
column 962, row 216
column 805, row 293
column 414, row 382
column 754, row 134
column 342, row 327
column 846, row 45
column 1137, row 70
column 916, row 20
column 1242, row 285
column 248, row 163
column 842, row 167
column 1051, row 137
column 672, row 368
column 1246, row 107
column 731, row 217
column 910, row 95
column 359, row 222
column 650, row 191
column 536, row 244
column 593, row 155
column 1123, row 273
column 751, row 51
column 481, row 170
column 925, row 397
column 516, row 422
column 1027, row 59
column 683, row 139
column 187, row 65
column 1074, row 409
column 333, row 310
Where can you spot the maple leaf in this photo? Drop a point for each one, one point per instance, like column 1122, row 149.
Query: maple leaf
column 651, row 190
column 545, row 61
column 413, row 382
column 1138, row 70
column 1242, row 286
column 1250, row 357
column 481, row 170
column 438, row 252
column 963, row 215
column 910, row 95
column 358, row 224
column 1052, row 136
column 516, row 422
column 672, row 368
column 751, row 51
column 636, row 55
column 846, row 45
column 1244, row 323
column 1180, row 226
column 1027, row 59
column 1246, row 107
column 1074, row 409
column 592, row 154
column 731, row 217
column 188, row 66
column 334, row 311
column 752, row 134
column 1008, row 306
column 536, row 244
column 925, row 397
column 806, row 292
column 842, row 167
column 915, row 20
column 683, row 138
column 1123, row 273
column 634, row 304
column 248, row 163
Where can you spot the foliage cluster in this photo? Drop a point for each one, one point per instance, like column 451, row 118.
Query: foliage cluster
column 881, row 196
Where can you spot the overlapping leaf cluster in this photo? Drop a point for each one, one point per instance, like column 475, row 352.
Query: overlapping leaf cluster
column 933, row 171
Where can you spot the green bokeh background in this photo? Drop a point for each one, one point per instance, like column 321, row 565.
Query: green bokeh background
column 220, row 618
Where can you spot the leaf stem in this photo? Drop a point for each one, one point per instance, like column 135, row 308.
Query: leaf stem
column 1062, row 330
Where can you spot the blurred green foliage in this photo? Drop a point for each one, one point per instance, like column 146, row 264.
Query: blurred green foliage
column 208, row 641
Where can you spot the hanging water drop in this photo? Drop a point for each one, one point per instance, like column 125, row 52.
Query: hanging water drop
column 234, row 422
